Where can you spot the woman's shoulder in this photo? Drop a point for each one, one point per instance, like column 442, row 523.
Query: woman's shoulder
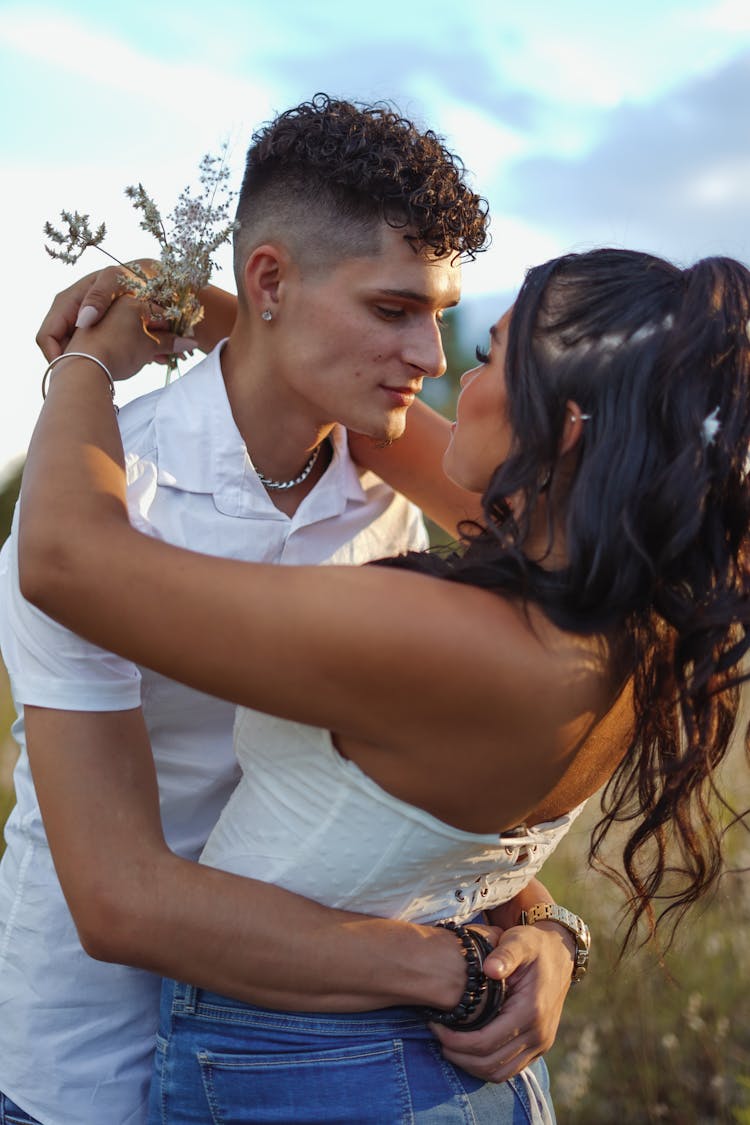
column 511, row 643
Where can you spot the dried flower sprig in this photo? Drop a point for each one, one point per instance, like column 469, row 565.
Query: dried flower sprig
column 198, row 226
column 78, row 238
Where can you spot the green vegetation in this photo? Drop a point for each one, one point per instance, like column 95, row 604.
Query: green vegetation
column 7, row 752
column 7, row 801
column 8, row 497
column 7, row 710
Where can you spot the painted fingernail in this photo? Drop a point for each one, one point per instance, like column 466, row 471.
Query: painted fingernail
column 183, row 344
column 87, row 316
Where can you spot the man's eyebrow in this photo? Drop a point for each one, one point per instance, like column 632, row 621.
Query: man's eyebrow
column 413, row 295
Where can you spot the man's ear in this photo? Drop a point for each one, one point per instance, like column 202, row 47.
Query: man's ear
column 573, row 425
column 263, row 276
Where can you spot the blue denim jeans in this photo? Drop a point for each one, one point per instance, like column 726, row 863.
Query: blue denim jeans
column 11, row 1114
column 221, row 1062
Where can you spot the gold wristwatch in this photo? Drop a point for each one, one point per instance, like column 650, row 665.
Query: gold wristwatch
column 546, row 911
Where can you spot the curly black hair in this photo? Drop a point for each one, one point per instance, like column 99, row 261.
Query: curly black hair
column 326, row 174
column 656, row 525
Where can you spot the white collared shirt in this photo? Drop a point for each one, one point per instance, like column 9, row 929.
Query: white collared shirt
column 76, row 1035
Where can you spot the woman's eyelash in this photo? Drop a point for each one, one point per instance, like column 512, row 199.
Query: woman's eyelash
column 482, row 355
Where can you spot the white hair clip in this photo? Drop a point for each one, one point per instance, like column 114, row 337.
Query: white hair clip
column 710, row 428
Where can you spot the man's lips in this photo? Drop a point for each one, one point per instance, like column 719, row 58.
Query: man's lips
column 406, row 393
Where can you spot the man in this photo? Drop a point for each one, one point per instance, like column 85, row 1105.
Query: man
column 352, row 227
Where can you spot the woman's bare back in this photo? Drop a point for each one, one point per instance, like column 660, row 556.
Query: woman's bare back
column 550, row 734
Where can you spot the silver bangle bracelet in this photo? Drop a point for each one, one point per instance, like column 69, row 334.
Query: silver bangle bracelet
column 79, row 355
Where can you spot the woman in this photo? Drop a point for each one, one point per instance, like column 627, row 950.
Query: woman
column 592, row 628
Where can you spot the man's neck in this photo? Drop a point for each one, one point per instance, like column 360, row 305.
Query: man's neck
column 279, row 432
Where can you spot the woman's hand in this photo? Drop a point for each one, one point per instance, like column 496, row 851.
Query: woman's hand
column 84, row 303
column 125, row 339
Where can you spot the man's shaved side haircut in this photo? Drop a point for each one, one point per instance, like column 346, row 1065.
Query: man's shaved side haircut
column 323, row 177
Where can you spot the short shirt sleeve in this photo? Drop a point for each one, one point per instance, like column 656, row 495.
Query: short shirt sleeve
column 49, row 666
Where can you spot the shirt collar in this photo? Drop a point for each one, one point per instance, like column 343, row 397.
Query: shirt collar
column 201, row 450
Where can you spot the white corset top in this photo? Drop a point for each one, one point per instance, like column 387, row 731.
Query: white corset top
column 307, row 819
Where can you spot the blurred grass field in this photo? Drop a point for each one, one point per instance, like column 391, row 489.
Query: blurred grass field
column 8, row 750
column 656, row 1039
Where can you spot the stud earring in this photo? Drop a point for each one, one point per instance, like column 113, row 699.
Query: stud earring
column 266, row 315
column 583, row 417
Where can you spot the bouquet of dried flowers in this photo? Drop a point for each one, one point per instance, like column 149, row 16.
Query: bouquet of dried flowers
column 198, row 226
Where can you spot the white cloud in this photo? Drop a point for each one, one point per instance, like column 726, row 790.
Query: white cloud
column 672, row 177
column 724, row 184
column 597, row 56
column 67, row 44
column 484, row 143
column 729, row 16
column 516, row 246
column 174, row 100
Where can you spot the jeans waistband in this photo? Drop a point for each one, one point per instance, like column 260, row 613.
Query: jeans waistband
column 186, row 1000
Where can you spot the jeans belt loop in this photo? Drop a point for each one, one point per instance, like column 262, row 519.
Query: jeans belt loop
column 190, row 1000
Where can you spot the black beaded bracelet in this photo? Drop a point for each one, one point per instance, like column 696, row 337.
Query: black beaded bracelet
column 475, row 981
column 495, row 989
column 475, row 948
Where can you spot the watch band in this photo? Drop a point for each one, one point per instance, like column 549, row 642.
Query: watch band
column 547, row 911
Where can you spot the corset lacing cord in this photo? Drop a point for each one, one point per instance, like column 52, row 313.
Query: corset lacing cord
column 540, row 1112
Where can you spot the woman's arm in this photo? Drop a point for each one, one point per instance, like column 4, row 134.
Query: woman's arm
column 313, row 644
column 413, row 465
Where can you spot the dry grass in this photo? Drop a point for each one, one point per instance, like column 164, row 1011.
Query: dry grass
column 649, row 1038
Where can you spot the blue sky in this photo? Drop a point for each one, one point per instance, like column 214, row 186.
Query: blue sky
column 582, row 123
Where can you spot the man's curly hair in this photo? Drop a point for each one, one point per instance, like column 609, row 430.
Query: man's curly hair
column 323, row 176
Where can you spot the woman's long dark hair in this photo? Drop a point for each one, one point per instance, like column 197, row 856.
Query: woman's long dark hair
column 656, row 523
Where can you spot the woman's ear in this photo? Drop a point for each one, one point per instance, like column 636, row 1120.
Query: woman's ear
column 573, row 425
column 262, row 277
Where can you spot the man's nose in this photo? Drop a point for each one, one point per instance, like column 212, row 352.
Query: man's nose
column 425, row 350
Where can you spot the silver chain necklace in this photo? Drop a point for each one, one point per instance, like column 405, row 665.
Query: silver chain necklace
column 280, row 485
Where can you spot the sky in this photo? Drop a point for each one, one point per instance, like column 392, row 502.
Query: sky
column 582, row 124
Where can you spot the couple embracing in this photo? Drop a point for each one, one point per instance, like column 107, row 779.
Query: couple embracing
column 411, row 738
